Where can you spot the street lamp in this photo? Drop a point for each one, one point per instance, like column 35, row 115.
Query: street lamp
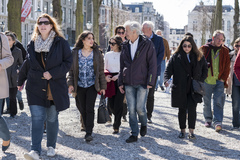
column 89, row 25
column 2, row 26
column 38, row 11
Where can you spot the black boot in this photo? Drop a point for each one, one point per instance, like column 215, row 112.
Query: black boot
column 21, row 105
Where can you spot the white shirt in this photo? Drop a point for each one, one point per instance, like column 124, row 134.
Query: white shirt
column 112, row 61
column 133, row 47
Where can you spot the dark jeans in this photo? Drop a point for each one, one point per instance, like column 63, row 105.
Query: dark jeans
column 150, row 101
column 236, row 105
column 116, row 105
column 13, row 101
column 85, row 101
column 192, row 114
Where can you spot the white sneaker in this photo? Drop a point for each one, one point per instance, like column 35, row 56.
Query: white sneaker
column 32, row 155
column 51, row 152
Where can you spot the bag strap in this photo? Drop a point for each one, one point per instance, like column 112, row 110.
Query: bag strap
column 1, row 46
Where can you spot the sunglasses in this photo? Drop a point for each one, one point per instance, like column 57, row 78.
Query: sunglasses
column 113, row 44
column 187, row 46
column 237, row 46
column 43, row 22
column 120, row 32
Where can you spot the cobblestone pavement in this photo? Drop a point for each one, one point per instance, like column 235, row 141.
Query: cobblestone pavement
column 161, row 141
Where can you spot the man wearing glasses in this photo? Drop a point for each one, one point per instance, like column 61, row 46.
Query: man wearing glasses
column 218, row 61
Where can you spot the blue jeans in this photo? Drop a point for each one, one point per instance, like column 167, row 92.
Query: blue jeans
column 159, row 81
column 136, row 99
column 218, row 102
column 4, row 131
column 41, row 114
column 236, row 105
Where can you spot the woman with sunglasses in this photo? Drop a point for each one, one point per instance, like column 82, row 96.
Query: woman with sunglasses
column 187, row 63
column 234, row 86
column 49, row 59
column 86, row 78
column 112, row 65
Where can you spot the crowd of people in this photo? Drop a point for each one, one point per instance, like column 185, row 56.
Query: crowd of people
column 136, row 63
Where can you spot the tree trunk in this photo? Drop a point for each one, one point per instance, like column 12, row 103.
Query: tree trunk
column 236, row 21
column 57, row 10
column 79, row 18
column 218, row 15
column 14, row 17
column 96, row 6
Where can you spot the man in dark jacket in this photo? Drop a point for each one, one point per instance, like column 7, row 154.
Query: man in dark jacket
column 147, row 28
column 138, row 69
column 218, row 61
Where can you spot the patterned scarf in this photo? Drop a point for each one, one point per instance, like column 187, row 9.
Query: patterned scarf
column 44, row 46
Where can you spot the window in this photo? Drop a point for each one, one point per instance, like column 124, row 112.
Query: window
column 137, row 9
column 195, row 25
column 64, row 15
column 51, row 9
column 69, row 16
column 45, row 7
column 103, row 16
column 32, row 9
column 109, row 2
column 150, row 18
column 107, row 16
column 228, row 42
column 145, row 18
column 3, row 4
column 148, row 9
column 69, row 2
column 228, row 25
column 64, row 1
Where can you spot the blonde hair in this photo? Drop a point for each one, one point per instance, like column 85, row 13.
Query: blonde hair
column 56, row 27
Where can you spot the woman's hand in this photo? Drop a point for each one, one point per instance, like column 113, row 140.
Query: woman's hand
column 102, row 91
column 166, row 84
column 114, row 78
column 108, row 78
column 47, row 75
column 121, row 89
column 20, row 88
column 70, row 89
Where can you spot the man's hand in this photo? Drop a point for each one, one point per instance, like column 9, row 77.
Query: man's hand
column 166, row 84
column 221, row 80
column 121, row 89
column 108, row 78
column 70, row 89
column 148, row 86
column 47, row 75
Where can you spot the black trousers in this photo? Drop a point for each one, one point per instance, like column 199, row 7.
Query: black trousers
column 116, row 105
column 150, row 101
column 192, row 114
column 85, row 101
column 13, row 101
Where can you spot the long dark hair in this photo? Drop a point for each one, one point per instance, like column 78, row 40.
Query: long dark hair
column 81, row 37
column 118, row 41
column 194, row 49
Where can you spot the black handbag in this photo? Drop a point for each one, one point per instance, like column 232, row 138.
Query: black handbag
column 198, row 87
column 103, row 115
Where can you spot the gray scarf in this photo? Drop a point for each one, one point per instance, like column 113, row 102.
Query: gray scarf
column 44, row 46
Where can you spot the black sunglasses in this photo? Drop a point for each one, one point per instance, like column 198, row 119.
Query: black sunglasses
column 43, row 22
column 120, row 32
column 112, row 43
column 185, row 46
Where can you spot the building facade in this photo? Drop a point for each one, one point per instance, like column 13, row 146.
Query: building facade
column 199, row 23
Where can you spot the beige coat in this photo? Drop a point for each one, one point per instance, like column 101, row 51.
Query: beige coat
column 6, row 60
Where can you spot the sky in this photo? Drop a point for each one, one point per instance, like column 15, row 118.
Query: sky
column 175, row 11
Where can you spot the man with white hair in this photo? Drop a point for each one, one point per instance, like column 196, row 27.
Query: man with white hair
column 147, row 28
column 138, row 70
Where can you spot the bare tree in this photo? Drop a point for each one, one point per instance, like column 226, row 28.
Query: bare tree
column 79, row 18
column 218, row 16
column 57, row 10
column 236, row 21
column 96, row 6
column 14, row 16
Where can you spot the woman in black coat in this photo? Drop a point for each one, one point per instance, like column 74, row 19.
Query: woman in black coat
column 12, row 73
column 49, row 59
column 186, row 64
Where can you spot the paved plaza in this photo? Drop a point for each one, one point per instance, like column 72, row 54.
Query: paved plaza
column 161, row 141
